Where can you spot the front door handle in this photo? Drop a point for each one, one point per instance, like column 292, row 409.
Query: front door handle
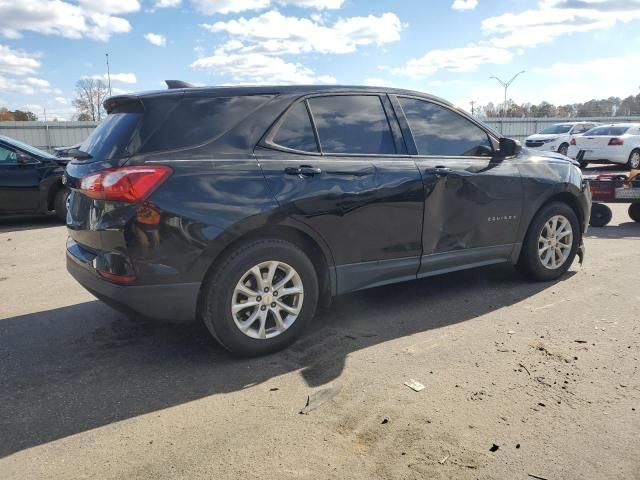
column 303, row 171
column 440, row 171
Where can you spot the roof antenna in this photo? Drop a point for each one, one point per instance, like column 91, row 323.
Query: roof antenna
column 178, row 84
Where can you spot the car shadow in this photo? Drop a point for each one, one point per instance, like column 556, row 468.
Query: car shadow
column 72, row 369
column 622, row 230
column 35, row 222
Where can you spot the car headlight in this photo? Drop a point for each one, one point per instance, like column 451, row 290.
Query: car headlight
column 549, row 140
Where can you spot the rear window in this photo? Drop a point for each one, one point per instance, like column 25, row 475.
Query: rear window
column 296, row 131
column 608, row 130
column 109, row 140
column 168, row 123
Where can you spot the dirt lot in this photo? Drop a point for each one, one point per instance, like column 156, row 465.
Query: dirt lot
column 546, row 372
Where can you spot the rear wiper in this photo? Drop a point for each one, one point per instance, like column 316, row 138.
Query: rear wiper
column 79, row 154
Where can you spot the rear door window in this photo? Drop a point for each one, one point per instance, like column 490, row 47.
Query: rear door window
column 355, row 124
column 295, row 131
column 439, row 131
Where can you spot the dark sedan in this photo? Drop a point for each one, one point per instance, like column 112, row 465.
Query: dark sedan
column 30, row 180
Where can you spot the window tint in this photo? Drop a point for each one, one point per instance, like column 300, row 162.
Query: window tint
column 109, row 140
column 608, row 130
column 440, row 131
column 556, row 129
column 193, row 121
column 352, row 124
column 296, row 131
column 7, row 156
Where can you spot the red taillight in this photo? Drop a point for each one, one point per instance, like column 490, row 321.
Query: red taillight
column 126, row 184
column 573, row 141
column 112, row 277
column 616, row 141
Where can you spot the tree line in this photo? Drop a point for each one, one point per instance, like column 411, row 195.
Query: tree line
column 609, row 107
column 7, row 115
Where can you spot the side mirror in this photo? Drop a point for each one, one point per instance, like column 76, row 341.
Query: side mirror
column 509, row 147
column 24, row 159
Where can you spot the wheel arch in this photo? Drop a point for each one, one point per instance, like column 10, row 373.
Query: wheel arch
column 312, row 246
column 563, row 197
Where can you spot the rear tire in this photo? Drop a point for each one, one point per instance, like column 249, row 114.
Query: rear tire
column 60, row 203
column 634, row 212
column 549, row 248
column 600, row 215
column 255, row 330
column 634, row 160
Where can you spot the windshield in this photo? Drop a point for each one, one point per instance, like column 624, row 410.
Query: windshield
column 608, row 130
column 555, row 129
column 28, row 148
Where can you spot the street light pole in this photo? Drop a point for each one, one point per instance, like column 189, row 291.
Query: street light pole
column 506, row 86
column 108, row 74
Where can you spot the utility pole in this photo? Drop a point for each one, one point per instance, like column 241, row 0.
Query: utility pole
column 108, row 74
column 506, row 86
column 473, row 102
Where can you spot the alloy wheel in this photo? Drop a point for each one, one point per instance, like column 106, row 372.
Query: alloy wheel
column 555, row 242
column 634, row 161
column 267, row 300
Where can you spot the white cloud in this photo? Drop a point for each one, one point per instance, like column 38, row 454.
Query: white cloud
column 454, row 60
column 167, row 3
column 115, row 77
column 464, row 4
column 554, row 18
column 17, row 62
column 210, row 7
column 156, row 39
column 61, row 100
column 275, row 34
column 110, row 6
column 25, row 86
column 259, row 68
column 88, row 19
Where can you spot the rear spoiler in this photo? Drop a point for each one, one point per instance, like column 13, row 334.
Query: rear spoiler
column 178, row 84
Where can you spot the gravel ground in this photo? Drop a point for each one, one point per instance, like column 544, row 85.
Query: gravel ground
column 548, row 373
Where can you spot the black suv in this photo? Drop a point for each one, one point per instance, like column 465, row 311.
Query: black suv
column 247, row 206
column 30, row 180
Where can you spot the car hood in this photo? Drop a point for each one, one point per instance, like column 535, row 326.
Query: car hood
column 539, row 136
column 553, row 155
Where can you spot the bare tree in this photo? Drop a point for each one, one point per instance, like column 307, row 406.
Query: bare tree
column 90, row 93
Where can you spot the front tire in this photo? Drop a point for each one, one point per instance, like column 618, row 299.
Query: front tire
column 634, row 160
column 563, row 149
column 60, row 203
column 551, row 243
column 261, row 297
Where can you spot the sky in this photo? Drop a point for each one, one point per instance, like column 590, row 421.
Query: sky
column 571, row 50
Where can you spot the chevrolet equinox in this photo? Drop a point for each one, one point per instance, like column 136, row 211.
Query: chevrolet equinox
column 247, row 206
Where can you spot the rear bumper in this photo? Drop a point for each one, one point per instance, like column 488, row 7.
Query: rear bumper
column 600, row 155
column 172, row 302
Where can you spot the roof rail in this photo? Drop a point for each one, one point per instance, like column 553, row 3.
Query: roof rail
column 178, row 84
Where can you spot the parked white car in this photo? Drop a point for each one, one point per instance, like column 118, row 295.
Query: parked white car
column 557, row 137
column 616, row 143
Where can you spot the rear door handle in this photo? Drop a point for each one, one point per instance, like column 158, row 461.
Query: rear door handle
column 440, row 171
column 303, row 171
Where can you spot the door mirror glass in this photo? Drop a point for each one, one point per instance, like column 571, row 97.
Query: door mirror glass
column 24, row 159
column 509, row 147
